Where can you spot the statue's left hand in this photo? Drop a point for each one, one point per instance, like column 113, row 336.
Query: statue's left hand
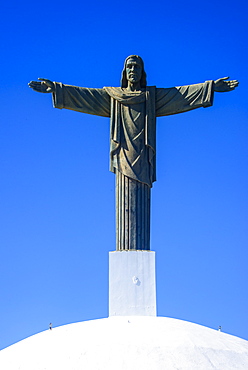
column 222, row 85
column 43, row 86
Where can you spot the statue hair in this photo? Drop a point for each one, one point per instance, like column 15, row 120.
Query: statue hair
column 124, row 82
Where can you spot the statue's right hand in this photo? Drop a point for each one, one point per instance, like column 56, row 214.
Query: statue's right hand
column 43, row 86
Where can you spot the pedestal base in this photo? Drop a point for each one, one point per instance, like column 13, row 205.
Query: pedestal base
column 132, row 283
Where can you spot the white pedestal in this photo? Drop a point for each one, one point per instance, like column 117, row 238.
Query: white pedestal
column 132, row 283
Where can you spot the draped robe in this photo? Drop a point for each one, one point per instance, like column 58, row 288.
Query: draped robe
column 133, row 143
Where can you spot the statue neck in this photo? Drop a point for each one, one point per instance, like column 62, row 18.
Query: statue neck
column 133, row 86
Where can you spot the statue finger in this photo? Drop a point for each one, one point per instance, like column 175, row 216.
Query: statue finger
column 44, row 79
column 233, row 82
column 36, row 88
column 232, row 85
column 34, row 83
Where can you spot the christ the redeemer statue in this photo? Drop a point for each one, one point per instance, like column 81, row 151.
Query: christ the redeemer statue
column 133, row 109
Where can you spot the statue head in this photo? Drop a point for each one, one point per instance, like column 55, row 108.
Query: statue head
column 136, row 62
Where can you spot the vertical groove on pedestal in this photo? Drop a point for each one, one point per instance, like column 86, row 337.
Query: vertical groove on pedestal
column 132, row 214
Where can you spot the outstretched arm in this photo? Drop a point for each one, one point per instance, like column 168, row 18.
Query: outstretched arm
column 184, row 98
column 222, row 85
column 80, row 99
column 45, row 86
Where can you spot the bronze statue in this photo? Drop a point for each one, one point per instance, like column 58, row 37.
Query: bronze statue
column 133, row 109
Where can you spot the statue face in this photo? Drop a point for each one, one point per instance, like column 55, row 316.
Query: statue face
column 133, row 70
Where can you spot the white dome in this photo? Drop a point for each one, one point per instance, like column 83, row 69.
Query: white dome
column 130, row 343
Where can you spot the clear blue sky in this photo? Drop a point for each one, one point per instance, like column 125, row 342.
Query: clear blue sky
column 57, row 194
